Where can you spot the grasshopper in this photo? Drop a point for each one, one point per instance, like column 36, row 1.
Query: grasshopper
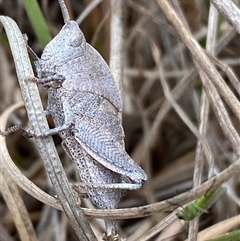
column 86, row 105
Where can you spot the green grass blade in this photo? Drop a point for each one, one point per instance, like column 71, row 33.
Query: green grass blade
column 38, row 22
column 232, row 236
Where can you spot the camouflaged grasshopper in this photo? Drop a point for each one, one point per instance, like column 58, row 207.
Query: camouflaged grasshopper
column 85, row 104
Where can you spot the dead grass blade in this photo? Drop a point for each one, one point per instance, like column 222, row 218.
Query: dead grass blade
column 16, row 206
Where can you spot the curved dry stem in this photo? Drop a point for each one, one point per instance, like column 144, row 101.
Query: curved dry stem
column 181, row 199
column 13, row 170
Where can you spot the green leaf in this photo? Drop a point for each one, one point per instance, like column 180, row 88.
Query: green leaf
column 38, row 22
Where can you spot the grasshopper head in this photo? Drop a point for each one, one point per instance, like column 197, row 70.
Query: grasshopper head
column 69, row 44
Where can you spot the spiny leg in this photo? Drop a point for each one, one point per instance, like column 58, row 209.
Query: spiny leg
column 31, row 134
column 125, row 186
column 16, row 128
column 53, row 80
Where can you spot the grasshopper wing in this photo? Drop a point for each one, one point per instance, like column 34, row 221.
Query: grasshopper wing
column 98, row 142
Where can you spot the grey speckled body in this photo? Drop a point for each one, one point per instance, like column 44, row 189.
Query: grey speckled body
column 83, row 94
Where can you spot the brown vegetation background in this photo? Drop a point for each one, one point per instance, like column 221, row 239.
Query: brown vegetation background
column 156, row 136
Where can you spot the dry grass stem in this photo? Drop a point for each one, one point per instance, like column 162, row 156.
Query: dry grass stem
column 200, row 57
column 230, row 11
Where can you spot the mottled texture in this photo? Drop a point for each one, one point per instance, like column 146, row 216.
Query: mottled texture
column 82, row 93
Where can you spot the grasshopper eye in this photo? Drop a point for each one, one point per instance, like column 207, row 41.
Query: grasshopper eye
column 76, row 40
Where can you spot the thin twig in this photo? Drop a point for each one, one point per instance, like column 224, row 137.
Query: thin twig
column 230, row 11
column 177, row 108
column 228, row 71
column 222, row 115
column 159, row 227
column 64, row 10
column 199, row 158
column 116, row 46
column 87, row 10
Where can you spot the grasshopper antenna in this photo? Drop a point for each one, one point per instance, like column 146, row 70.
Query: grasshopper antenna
column 29, row 49
column 64, row 10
